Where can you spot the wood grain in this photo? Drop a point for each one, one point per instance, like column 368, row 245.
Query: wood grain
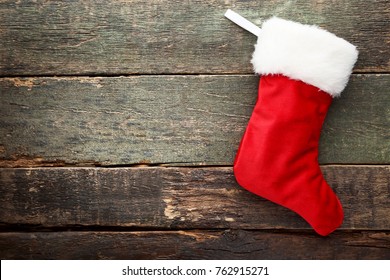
column 228, row 244
column 178, row 198
column 141, row 124
column 134, row 36
column 176, row 120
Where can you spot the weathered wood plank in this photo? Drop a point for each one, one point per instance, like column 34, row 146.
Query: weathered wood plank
column 123, row 37
column 169, row 119
column 230, row 244
column 180, row 198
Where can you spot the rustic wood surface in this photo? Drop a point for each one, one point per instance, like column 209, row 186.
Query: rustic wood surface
column 197, row 244
column 119, row 122
column 176, row 198
column 169, row 119
column 127, row 37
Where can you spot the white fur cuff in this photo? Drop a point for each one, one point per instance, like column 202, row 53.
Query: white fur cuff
column 304, row 52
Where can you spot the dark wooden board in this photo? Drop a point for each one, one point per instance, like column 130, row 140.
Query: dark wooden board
column 179, row 198
column 177, row 120
column 144, row 125
column 126, row 37
column 228, row 244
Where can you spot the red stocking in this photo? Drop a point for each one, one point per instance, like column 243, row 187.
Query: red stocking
column 303, row 67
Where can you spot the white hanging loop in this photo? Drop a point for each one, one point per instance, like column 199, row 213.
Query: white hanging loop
column 243, row 22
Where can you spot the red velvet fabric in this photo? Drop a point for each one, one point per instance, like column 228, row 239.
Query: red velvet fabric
column 278, row 154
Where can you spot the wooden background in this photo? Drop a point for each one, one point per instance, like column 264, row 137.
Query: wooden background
column 119, row 122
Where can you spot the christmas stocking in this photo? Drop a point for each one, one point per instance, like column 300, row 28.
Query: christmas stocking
column 302, row 69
